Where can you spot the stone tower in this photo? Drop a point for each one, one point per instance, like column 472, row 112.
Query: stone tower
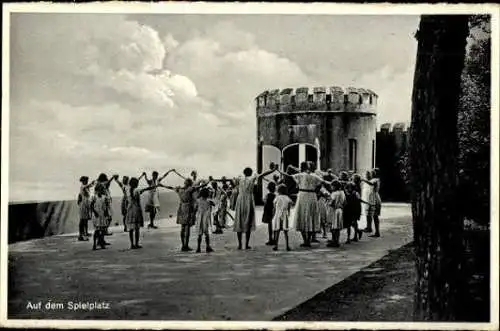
column 332, row 126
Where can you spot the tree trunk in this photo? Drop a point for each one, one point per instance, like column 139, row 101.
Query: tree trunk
column 437, row 225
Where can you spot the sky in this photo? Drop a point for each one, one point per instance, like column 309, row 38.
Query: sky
column 123, row 94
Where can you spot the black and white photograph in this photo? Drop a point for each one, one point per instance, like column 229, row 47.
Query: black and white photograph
column 250, row 165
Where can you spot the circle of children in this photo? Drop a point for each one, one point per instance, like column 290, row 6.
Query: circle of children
column 323, row 202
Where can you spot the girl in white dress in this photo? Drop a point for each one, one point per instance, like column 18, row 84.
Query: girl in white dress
column 306, row 214
column 106, row 183
column 84, row 207
column 152, row 206
column 335, row 213
column 372, row 182
column 367, row 195
column 101, row 206
column 203, row 224
column 280, row 221
column 124, row 185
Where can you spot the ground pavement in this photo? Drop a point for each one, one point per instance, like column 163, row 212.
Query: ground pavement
column 159, row 282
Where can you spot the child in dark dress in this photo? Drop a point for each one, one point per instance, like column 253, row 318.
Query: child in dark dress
column 352, row 211
column 267, row 216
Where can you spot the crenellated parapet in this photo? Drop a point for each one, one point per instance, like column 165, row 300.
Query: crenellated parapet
column 334, row 98
column 397, row 128
column 394, row 137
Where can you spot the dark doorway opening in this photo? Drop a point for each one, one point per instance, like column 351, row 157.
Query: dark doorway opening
column 312, row 154
column 291, row 156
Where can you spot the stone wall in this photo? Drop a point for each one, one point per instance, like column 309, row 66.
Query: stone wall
column 42, row 219
column 392, row 143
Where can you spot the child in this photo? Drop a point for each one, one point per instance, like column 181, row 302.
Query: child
column 215, row 196
column 203, row 224
column 101, row 205
column 343, row 179
column 224, row 198
column 134, row 219
column 352, row 211
column 322, row 205
column 267, row 215
column 234, row 193
column 84, row 207
column 186, row 211
column 335, row 213
column 124, row 185
column 153, row 202
column 282, row 205
column 103, row 180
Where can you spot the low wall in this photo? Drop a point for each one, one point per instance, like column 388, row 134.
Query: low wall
column 43, row 219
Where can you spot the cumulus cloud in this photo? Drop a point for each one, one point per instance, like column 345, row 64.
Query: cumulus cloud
column 107, row 93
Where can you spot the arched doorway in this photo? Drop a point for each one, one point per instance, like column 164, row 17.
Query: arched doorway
column 269, row 154
column 294, row 154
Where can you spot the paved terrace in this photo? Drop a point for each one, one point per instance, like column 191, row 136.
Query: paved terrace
column 159, row 282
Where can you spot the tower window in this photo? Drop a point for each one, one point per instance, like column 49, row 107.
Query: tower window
column 371, row 99
column 346, row 98
column 310, row 98
column 328, row 98
column 353, row 150
column 292, row 99
column 373, row 153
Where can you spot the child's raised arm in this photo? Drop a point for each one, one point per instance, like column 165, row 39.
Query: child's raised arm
column 167, row 187
column 178, row 174
column 272, row 168
column 89, row 184
column 147, row 189
column 165, row 175
column 367, row 182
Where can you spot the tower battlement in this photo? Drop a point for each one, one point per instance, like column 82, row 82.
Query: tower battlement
column 321, row 98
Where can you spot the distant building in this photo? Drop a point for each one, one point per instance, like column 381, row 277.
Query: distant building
column 334, row 127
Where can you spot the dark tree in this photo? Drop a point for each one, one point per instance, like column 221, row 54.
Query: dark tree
column 438, row 227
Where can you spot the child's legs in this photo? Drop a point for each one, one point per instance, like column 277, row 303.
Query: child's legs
column 200, row 237
column 152, row 215
column 376, row 221
column 304, row 236
column 239, row 235
column 101, row 233
column 270, row 231
column 286, row 238
column 137, row 235
column 183, row 235
column 309, row 237
column 276, row 237
column 86, row 227
column 96, row 237
column 81, row 227
column 369, row 221
column 207, row 240
column 187, row 234
column 247, row 238
column 356, row 229
column 336, row 235
column 131, row 237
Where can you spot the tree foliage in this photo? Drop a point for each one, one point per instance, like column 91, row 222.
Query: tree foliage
column 473, row 125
